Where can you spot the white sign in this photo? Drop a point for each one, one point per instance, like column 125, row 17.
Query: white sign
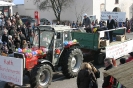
column 119, row 16
column 119, row 50
column 102, row 34
column 11, row 70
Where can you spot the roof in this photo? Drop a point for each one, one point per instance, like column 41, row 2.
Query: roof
column 57, row 27
column 123, row 73
column 3, row 3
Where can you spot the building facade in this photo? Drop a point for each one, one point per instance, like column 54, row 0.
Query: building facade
column 76, row 10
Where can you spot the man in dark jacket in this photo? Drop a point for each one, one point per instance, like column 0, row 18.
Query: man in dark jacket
column 111, row 24
column 5, row 37
column 87, row 23
column 108, row 65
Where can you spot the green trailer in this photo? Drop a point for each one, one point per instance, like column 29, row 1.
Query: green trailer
column 91, row 47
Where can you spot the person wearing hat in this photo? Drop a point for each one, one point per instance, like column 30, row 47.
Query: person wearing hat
column 130, row 57
column 87, row 23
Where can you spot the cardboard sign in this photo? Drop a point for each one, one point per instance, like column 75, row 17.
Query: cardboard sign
column 11, row 70
column 119, row 16
column 119, row 50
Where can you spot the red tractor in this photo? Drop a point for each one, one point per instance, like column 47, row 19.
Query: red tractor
column 59, row 51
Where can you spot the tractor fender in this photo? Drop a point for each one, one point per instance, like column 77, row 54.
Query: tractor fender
column 73, row 46
column 41, row 61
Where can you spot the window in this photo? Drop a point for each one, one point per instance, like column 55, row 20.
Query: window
column 116, row 1
column 102, row 7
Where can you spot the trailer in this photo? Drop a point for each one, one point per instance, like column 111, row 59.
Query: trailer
column 96, row 48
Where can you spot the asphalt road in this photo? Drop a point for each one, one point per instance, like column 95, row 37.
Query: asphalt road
column 59, row 81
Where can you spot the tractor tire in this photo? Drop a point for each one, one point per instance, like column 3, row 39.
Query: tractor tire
column 99, row 59
column 41, row 76
column 72, row 63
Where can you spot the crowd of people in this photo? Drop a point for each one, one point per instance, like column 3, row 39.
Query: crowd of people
column 15, row 34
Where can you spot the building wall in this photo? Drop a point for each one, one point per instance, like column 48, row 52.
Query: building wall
column 78, row 7
column 20, row 9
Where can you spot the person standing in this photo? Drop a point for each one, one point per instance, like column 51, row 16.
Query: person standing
column 85, row 77
column 127, row 24
column 58, row 23
column 5, row 36
column 111, row 24
column 87, row 23
column 108, row 80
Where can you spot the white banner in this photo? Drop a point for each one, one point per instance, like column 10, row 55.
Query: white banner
column 119, row 16
column 11, row 70
column 119, row 50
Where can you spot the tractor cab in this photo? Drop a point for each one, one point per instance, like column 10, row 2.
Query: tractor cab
column 52, row 38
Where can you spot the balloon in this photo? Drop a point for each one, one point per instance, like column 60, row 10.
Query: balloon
column 35, row 52
column 44, row 49
column 40, row 51
column 57, row 51
column 19, row 50
column 30, row 50
column 26, row 54
column 70, row 42
column 24, row 50
column 65, row 43
column 74, row 41
column 30, row 55
column 16, row 50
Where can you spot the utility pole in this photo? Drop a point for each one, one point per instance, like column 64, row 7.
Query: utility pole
column 105, row 6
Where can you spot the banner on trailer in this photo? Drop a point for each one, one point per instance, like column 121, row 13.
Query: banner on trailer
column 119, row 50
column 11, row 70
column 119, row 16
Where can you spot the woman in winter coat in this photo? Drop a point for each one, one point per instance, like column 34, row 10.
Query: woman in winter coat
column 86, row 77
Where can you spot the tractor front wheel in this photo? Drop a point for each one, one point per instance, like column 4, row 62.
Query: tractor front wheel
column 41, row 76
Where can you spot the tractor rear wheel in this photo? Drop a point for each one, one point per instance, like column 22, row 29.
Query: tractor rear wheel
column 72, row 62
column 41, row 76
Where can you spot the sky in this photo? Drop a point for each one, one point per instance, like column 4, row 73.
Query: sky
column 18, row 1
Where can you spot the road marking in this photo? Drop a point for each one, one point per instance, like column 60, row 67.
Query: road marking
column 58, row 79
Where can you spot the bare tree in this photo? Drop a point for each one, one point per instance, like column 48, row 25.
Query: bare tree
column 56, row 5
column 79, row 14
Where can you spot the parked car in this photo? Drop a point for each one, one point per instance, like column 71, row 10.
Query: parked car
column 23, row 16
column 28, row 21
column 44, row 20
